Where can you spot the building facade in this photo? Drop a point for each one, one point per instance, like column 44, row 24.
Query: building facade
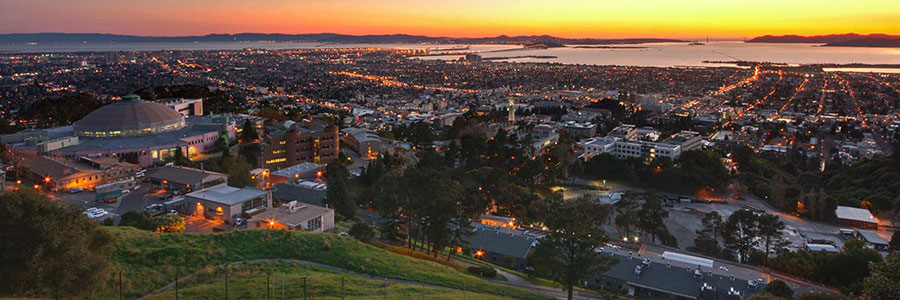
column 292, row 143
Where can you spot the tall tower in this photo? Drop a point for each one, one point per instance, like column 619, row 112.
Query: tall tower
column 512, row 111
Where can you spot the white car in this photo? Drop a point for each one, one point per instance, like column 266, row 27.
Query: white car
column 95, row 212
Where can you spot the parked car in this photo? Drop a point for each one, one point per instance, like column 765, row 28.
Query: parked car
column 75, row 190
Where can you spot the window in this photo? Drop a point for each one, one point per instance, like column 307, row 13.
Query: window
column 277, row 160
column 314, row 224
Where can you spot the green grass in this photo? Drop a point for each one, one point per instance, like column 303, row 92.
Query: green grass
column 149, row 260
column 249, row 282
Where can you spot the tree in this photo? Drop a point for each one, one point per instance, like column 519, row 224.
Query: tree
column 651, row 216
column 168, row 223
column 895, row 241
column 338, row 191
column 779, row 288
column 626, row 215
column 49, row 249
column 362, row 231
column 882, row 283
column 568, row 254
column 180, row 159
column 739, row 233
column 248, row 132
column 712, row 224
column 139, row 219
column 770, row 231
column 222, row 146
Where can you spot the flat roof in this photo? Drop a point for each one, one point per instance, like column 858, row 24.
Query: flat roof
column 303, row 213
column 855, row 214
column 689, row 259
column 227, row 195
column 295, row 169
column 872, row 237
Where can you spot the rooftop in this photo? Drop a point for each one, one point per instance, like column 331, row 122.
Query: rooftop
column 183, row 175
column 131, row 114
column 854, row 214
column 227, row 195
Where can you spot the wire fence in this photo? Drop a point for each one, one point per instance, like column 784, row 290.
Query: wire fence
column 273, row 281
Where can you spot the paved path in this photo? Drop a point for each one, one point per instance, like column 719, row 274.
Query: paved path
column 513, row 280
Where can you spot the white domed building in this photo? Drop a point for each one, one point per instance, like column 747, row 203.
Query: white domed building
column 143, row 132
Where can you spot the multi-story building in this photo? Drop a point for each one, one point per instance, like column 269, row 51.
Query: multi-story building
column 291, row 143
column 56, row 173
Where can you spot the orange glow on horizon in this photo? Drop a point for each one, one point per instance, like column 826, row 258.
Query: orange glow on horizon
column 457, row 18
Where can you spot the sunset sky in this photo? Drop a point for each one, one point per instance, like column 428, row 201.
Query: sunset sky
column 457, row 18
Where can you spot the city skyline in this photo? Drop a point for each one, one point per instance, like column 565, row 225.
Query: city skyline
column 572, row 19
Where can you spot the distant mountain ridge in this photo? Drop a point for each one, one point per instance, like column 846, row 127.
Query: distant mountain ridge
column 52, row 37
column 843, row 40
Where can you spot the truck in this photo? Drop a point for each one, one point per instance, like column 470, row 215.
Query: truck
column 109, row 196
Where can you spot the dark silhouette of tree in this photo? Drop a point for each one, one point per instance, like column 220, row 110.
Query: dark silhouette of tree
column 770, row 232
column 740, row 232
column 49, row 249
column 882, row 284
column 651, row 216
column 779, row 288
column 568, row 254
column 338, row 193
column 248, row 132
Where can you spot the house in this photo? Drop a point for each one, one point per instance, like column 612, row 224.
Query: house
column 225, row 203
column 295, row 215
column 501, row 246
column 858, row 217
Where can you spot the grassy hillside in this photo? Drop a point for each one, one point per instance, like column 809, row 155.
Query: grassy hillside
column 249, row 282
column 150, row 260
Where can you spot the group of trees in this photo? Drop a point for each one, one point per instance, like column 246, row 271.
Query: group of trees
column 693, row 171
column 746, row 235
column 142, row 219
column 845, row 270
column 49, row 248
column 647, row 218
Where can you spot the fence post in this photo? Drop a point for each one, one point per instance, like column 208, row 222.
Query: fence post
column 282, row 285
column 226, row 282
column 121, row 287
column 268, row 290
column 176, row 283
column 385, row 288
column 304, row 288
column 342, row 288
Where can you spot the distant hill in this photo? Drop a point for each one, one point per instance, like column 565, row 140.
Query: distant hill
column 22, row 38
column 845, row 40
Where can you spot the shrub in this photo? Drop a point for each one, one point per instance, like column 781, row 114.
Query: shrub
column 483, row 271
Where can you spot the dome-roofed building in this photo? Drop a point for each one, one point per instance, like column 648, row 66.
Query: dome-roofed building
column 136, row 131
column 129, row 117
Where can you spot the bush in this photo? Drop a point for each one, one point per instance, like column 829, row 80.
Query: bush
column 483, row 271
column 780, row 289
column 170, row 223
column 139, row 219
column 49, row 249
column 362, row 232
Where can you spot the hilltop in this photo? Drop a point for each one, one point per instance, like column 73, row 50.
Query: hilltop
column 844, row 40
column 55, row 37
column 149, row 261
